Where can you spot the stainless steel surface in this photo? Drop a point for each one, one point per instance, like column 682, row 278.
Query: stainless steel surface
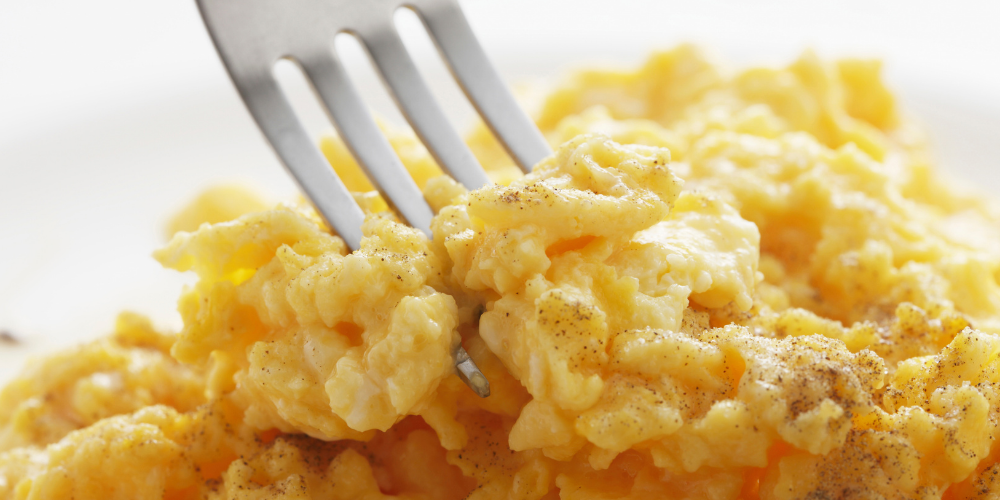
column 415, row 100
column 252, row 35
column 470, row 374
column 482, row 84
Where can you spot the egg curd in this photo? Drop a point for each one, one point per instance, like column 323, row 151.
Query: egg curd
column 747, row 285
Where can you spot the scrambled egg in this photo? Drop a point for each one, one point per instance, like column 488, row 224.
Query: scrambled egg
column 721, row 286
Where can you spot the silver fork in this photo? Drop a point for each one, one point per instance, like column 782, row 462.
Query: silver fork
column 252, row 35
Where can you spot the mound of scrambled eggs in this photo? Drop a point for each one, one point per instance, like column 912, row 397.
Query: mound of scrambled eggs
column 746, row 285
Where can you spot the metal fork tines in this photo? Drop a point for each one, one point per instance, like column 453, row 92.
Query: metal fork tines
column 252, row 35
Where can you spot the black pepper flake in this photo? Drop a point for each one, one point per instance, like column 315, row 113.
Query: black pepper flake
column 8, row 338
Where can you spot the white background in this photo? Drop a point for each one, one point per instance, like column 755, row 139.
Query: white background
column 114, row 112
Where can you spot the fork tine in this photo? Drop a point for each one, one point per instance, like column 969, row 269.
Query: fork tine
column 414, row 98
column 364, row 139
column 277, row 119
column 247, row 36
column 482, row 84
column 312, row 172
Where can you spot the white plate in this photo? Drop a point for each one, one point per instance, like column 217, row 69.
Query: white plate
column 90, row 171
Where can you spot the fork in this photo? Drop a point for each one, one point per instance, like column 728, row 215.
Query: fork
column 252, row 35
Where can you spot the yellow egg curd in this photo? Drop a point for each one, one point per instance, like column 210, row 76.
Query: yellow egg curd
column 722, row 285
